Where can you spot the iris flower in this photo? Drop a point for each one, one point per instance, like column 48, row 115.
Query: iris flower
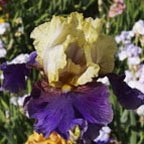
column 73, row 53
column 15, row 72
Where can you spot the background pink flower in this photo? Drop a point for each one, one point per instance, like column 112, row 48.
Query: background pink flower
column 116, row 8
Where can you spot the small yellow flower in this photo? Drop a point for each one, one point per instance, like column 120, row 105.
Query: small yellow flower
column 73, row 50
column 54, row 138
column 2, row 20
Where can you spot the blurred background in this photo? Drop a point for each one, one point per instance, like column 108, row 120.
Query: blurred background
column 123, row 19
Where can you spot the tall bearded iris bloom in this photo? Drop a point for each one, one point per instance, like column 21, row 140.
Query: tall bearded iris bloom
column 72, row 53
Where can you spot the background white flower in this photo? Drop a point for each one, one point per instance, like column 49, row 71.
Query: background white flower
column 3, row 51
column 3, row 27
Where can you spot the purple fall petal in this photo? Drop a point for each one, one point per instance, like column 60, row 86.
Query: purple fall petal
column 52, row 112
column 57, row 111
column 15, row 73
column 14, row 77
column 128, row 97
column 93, row 104
column 91, row 133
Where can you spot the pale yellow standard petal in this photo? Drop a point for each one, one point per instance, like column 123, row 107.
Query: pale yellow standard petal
column 72, row 50
column 54, row 59
column 49, row 34
column 88, row 75
column 103, row 52
column 92, row 28
column 40, row 34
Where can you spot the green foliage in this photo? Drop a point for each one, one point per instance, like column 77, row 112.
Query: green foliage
column 14, row 125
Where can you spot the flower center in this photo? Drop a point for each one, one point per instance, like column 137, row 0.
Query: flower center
column 66, row 88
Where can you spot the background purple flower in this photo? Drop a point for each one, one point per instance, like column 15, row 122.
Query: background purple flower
column 130, row 52
column 125, row 37
column 130, row 98
column 15, row 72
column 14, row 77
